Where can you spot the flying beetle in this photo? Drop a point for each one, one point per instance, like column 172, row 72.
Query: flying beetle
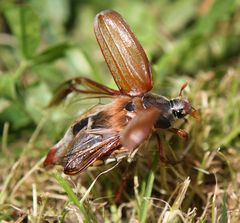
column 115, row 131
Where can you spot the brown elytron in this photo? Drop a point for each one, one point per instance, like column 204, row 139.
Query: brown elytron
column 114, row 131
column 123, row 53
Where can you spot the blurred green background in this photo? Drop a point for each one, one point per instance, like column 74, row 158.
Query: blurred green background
column 43, row 43
column 46, row 42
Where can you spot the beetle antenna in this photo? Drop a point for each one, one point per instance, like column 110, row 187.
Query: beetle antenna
column 195, row 113
column 182, row 88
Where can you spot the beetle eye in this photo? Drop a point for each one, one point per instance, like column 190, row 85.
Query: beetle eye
column 130, row 106
column 180, row 113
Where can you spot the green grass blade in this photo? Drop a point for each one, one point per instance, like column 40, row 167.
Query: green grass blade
column 224, row 216
column 74, row 199
column 146, row 192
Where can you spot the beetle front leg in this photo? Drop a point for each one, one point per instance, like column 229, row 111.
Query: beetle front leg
column 180, row 132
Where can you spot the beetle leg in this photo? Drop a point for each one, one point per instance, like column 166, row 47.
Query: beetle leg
column 180, row 132
column 163, row 157
column 125, row 178
column 160, row 148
